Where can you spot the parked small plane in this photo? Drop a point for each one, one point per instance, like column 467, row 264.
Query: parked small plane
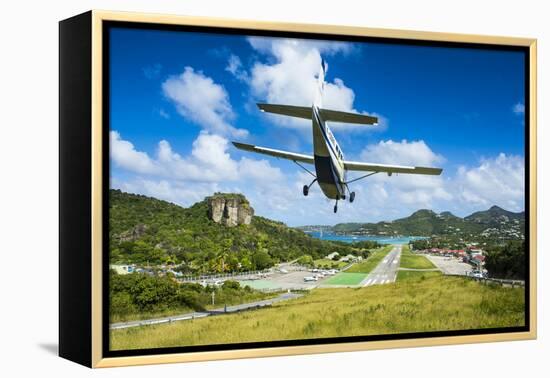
column 328, row 159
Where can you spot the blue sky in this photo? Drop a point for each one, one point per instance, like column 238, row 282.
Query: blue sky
column 179, row 98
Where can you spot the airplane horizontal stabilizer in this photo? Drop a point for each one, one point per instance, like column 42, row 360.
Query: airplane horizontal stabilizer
column 276, row 153
column 386, row 168
column 345, row 117
column 288, row 110
column 327, row 114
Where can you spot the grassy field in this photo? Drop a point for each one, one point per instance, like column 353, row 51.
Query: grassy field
column 219, row 303
column 322, row 263
column 412, row 261
column 371, row 262
column 429, row 304
column 346, row 278
column 412, row 275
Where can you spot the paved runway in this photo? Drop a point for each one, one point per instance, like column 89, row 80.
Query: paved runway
column 386, row 271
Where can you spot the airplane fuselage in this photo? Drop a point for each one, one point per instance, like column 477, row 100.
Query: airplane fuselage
column 329, row 159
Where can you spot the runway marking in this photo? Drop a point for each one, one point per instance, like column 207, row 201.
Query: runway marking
column 385, row 261
column 368, row 282
column 373, row 282
column 395, row 261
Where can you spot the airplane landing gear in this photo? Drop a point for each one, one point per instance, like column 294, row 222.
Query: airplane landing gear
column 351, row 197
column 336, row 207
column 306, row 187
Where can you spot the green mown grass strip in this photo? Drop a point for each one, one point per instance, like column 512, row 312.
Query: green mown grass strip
column 371, row 262
column 412, row 261
column 346, row 278
column 411, row 275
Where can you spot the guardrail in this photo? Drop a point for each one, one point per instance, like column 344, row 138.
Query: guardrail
column 285, row 289
column 207, row 277
column 501, row 281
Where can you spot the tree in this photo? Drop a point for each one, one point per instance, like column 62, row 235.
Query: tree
column 306, row 260
column 507, row 261
column 230, row 284
column 262, row 260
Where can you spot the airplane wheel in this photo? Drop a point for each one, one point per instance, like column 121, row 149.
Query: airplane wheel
column 335, row 208
column 306, row 190
column 351, row 197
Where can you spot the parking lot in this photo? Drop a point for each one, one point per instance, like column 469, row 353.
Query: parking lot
column 292, row 280
column 450, row 265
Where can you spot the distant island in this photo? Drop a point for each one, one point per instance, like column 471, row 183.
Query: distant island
column 494, row 223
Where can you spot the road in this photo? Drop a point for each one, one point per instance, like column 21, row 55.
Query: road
column 386, row 271
column 203, row 314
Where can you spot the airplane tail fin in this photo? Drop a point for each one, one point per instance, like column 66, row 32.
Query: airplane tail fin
column 321, row 83
column 306, row 112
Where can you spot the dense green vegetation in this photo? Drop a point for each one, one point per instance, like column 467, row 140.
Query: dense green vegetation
column 412, row 261
column 140, row 296
column 148, row 231
column 371, row 262
column 424, row 305
column 507, row 261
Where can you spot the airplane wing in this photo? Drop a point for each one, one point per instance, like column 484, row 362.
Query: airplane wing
column 276, row 153
column 370, row 167
column 344, row 117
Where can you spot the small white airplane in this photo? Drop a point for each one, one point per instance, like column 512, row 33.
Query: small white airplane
column 330, row 166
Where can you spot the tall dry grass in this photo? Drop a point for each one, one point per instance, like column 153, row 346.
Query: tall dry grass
column 429, row 304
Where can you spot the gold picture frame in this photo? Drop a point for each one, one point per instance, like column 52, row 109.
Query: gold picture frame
column 90, row 327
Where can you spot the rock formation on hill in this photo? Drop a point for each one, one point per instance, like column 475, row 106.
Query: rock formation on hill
column 229, row 209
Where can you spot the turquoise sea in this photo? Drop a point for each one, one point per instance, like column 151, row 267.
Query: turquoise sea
column 354, row 238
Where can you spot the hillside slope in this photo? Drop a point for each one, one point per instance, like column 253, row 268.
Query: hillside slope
column 148, row 230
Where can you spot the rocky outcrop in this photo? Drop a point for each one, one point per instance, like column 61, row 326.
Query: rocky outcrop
column 134, row 234
column 229, row 209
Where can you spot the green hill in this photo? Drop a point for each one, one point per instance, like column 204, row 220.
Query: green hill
column 493, row 222
column 494, row 216
column 146, row 230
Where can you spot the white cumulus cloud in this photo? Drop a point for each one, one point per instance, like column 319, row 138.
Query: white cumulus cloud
column 403, row 153
column 411, row 191
column 288, row 76
column 198, row 98
column 126, row 156
column 208, row 162
column 496, row 181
